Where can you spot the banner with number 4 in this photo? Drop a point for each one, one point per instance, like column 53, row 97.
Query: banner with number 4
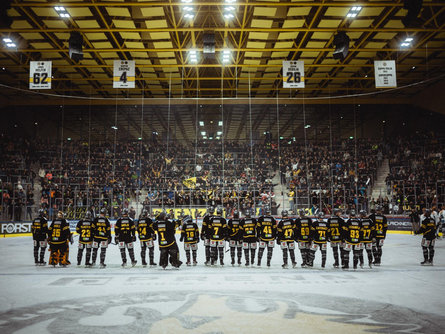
column 293, row 74
column 123, row 74
column 40, row 73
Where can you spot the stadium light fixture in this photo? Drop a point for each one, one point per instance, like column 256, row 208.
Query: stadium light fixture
column 219, row 133
column 62, row 11
column 210, row 138
column 189, row 16
column 193, row 56
column 307, row 126
column 201, row 123
column 203, row 133
column 7, row 40
column 204, row 137
column 69, row 139
column 140, row 138
column 114, row 127
column 187, row 1
column 229, row 15
column 353, row 12
column 407, row 42
column 351, row 137
column 218, row 138
column 11, row 45
column 230, row 1
column 226, row 55
column 220, row 123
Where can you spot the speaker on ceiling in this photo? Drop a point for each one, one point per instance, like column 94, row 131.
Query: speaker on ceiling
column 341, row 42
column 75, row 46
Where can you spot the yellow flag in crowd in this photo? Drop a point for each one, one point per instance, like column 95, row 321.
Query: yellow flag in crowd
column 190, row 183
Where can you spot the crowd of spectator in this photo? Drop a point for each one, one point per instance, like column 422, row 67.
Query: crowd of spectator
column 318, row 175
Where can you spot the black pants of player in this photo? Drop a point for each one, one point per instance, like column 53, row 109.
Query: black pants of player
column 252, row 252
column 335, row 252
column 207, row 250
column 269, row 255
column 377, row 252
column 312, row 257
column 428, row 253
column 87, row 255
column 170, row 253
column 130, row 252
column 194, row 255
column 214, row 251
column 58, row 254
column 103, row 252
column 151, row 255
column 356, row 254
column 36, row 252
column 369, row 254
column 291, row 252
column 239, row 253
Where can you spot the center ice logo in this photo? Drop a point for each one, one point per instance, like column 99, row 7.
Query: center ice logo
column 236, row 312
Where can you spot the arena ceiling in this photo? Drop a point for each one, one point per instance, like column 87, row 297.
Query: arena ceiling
column 158, row 35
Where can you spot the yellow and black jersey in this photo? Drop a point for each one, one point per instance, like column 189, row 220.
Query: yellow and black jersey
column 367, row 231
column 205, row 226
column 85, row 229
column 352, row 229
column 166, row 232
column 124, row 229
column 286, row 230
column 266, row 228
column 303, row 229
column 319, row 232
column 428, row 228
column 335, row 225
column 381, row 225
column 39, row 229
column 248, row 229
column 59, row 232
column 145, row 229
column 102, row 228
column 217, row 228
column 234, row 230
column 190, row 233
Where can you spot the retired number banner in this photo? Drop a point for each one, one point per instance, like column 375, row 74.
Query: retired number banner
column 40, row 73
column 123, row 74
column 293, row 74
column 385, row 73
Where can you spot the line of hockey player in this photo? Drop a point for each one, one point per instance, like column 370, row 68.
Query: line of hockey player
column 353, row 235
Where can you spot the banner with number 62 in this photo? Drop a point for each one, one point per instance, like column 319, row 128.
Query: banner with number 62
column 123, row 74
column 40, row 74
column 293, row 74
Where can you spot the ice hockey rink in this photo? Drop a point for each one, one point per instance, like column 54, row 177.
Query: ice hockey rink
column 399, row 297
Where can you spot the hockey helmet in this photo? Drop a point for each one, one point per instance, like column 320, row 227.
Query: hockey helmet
column 320, row 214
column 41, row 213
column 301, row 212
column 284, row 213
column 162, row 216
column 103, row 211
column 236, row 214
column 378, row 208
column 211, row 210
column 248, row 213
column 352, row 213
column 219, row 211
column 88, row 215
column 427, row 212
column 363, row 213
column 60, row 214
column 267, row 210
column 144, row 213
column 337, row 211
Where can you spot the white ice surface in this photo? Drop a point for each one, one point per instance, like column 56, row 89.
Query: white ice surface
column 400, row 281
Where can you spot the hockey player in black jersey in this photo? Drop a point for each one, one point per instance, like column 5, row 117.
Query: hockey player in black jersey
column 205, row 233
column 102, row 237
column 248, row 228
column 428, row 229
column 146, row 237
column 190, row 237
column 303, row 228
column 39, row 229
column 125, row 236
column 351, row 230
column 168, row 247
column 319, row 236
column 235, row 237
column 335, row 225
column 381, row 226
column 367, row 234
column 286, row 230
column 85, row 229
column 266, row 232
column 218, row 234
column 58, row 237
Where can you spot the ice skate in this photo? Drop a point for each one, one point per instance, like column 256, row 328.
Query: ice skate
column 133, row 263
column 284, row 266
